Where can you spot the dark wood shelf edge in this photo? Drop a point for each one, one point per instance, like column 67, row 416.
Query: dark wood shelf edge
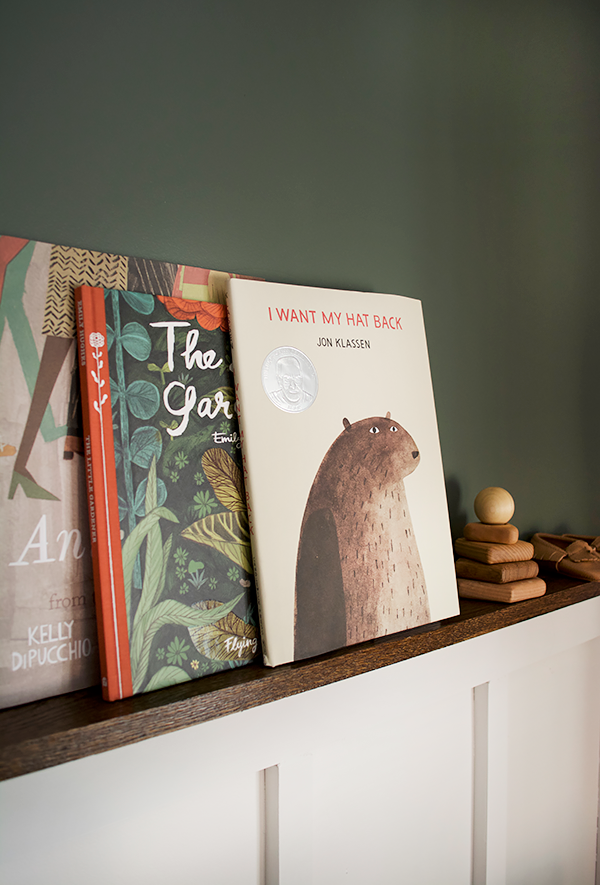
column 61, row 729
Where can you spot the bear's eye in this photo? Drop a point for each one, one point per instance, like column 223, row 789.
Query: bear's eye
column 394, row 429
column 374, row 430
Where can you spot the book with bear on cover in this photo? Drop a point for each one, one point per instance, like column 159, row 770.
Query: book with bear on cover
column 342, row 464
column 48, row 635
column 168, row 521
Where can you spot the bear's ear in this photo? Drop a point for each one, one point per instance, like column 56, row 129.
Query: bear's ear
column 388, row 414
column 347, row 424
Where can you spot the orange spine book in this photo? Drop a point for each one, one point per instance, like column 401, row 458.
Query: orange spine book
column 165, row 488
column 111, row 611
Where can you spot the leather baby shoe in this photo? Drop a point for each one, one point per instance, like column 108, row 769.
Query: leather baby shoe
column 589, row 539
column 571, row 555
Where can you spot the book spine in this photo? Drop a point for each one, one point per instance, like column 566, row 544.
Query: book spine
column 101, row 481
column 247, row 488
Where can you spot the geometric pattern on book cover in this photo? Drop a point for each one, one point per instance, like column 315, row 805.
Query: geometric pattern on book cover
column 70, row 267
column 48, row 638
column 177, row 596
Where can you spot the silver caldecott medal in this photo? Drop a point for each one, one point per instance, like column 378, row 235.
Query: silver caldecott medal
column 289, row 379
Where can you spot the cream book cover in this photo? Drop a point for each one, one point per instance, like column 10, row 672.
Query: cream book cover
column 347, row 504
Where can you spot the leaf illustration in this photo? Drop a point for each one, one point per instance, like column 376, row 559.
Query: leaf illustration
column 140, row 505
column 152, row 367
column 115, row 392
column 143, row 399
column 167, row 676
column 136, row 341
column 118, row 453
column 140, row 301
column 132, row 545
column 228, row 639
column 192, row 445
column 226, row 532
column 151, row 493
column 145, row 444
column 157, row 557
column 110, row 337
column 169, row 611
column 225, row 477
column 227, row 391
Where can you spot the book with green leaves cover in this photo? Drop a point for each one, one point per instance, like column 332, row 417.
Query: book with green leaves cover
column 175, row 595
column 48, row 634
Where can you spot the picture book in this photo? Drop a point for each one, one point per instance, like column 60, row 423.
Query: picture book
column 175, row 595
column 342, row 464
column 48, row 637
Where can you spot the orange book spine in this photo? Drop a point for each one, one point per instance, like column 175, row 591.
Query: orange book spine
column 101, row 479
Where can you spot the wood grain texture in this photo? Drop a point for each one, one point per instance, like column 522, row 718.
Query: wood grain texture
column 498, row 534
column 494, row 505
column 56, row 730
column 513, row 591
column 497, row 572
column 483, row 551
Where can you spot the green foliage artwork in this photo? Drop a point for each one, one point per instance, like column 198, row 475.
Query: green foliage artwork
column 187, row 563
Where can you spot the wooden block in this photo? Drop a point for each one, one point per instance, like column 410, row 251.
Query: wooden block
column 515, row 591
column 498, row 534
column 497, row 573
column 485, row 551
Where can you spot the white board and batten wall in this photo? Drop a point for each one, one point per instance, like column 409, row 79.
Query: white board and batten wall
column 477, row 763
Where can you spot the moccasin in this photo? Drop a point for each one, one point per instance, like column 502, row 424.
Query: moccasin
column 571, row 555
column 589, row 539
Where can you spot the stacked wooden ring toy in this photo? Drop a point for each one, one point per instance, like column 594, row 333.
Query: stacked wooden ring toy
column 493, row 563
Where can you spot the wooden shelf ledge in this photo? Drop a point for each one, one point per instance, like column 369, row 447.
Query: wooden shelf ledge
column 68, row 727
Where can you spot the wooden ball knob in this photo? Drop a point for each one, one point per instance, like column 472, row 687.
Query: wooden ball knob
column 494, row 506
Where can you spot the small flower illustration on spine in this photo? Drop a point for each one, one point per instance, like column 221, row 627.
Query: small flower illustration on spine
column 97, row 341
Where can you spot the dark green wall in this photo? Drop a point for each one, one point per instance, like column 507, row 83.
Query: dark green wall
column 443, row 150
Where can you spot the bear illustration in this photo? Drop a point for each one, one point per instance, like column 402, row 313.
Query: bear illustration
column 358, row 570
